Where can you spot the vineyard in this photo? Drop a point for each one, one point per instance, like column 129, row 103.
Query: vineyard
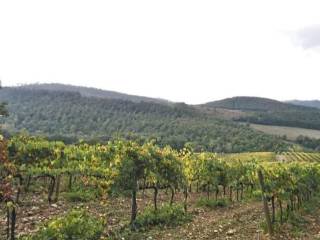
column 126, row 190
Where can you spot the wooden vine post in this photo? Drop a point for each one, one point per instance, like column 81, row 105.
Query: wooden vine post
column 265, row 203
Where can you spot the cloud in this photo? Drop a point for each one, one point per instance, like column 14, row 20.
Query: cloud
column 308, row 37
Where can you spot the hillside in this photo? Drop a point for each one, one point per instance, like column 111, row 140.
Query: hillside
column 290, row 133
column 72, row 116
column 312, row 103
column 91, row 92
column 270, row 112
column 250, row 104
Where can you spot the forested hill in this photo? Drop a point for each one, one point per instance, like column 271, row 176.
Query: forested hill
column 270, row 112
column 311, row 103
column 71, row 116
column 254, row 104
column 91, row 92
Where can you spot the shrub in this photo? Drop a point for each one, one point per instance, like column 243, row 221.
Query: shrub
column 211, row 203
column 75, row 225
column 167, row 215
column 80, row 196
column 256, row 195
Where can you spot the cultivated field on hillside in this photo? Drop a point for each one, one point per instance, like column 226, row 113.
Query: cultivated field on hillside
column 291, row 132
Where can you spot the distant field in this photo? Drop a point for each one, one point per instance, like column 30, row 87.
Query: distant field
column 291, row 132
column 261, row 156
column 271, row 156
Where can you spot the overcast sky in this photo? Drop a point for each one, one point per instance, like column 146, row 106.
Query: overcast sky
column 190, row 51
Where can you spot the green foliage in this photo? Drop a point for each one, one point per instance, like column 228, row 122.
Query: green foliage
column 80, row 195
column 127, row 166
column 211, row 169
column 311, row 103
column 76, row 224
column 250, row 104
column 3, row 109
column 131, row 162
column 34, row 150
column 91, row 92
column 296, row 219
column 212, row 203
column 256, row 194
column 311, row 143
column 166, row 215
column 271, row 112
column 68, row 116
column 304, row 118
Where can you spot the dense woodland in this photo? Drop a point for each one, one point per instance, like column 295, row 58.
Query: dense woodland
column 310, row 143
column 3, row 110
column 271, row 112
column 311, row 103
column 92, row 92
column 69, row 116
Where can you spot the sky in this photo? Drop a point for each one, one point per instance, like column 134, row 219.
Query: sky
column 187, row 51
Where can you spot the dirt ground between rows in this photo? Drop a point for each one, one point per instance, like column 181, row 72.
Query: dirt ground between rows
column 239, row 220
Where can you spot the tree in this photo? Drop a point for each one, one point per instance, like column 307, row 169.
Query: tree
column 131, row 162
column 165, row 170
column 3, row 110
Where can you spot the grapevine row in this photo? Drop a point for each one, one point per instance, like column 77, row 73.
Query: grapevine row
column 128, row 166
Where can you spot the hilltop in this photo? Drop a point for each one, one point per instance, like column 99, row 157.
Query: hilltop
column 269, row 112
column 91, row 92
column 252, row 104
column 312, row 103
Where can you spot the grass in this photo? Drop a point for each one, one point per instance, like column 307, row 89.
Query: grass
column 76, row 224
column 150, row 221
column 211, row 203
column 80, row 196
column 166, row 215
